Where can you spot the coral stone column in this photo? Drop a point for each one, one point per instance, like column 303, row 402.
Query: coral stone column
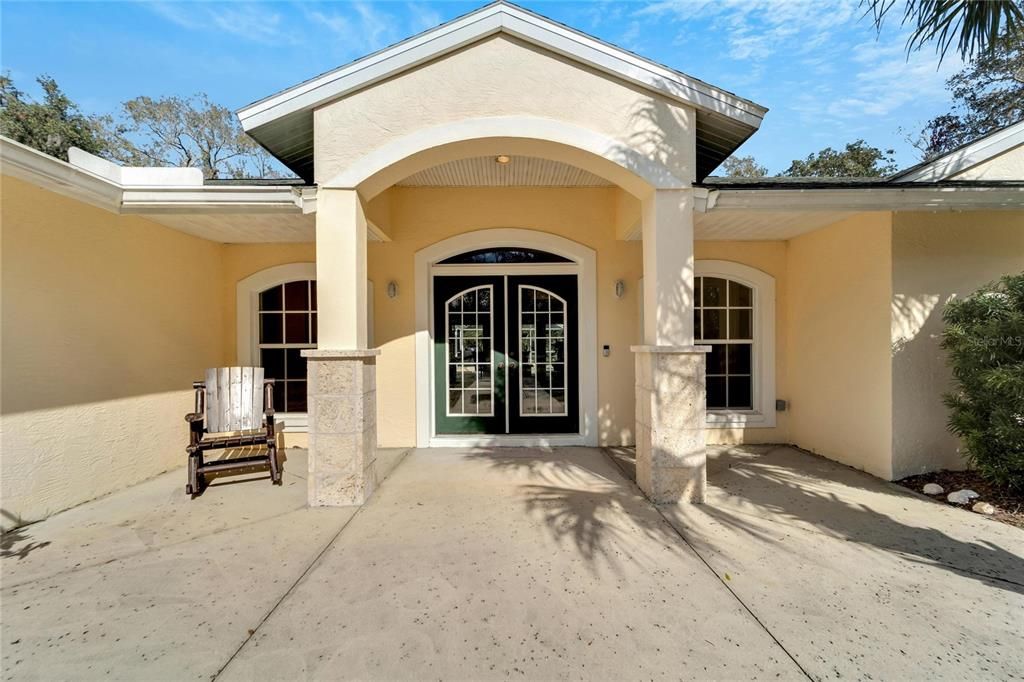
column 341, row 381
column 671, row 454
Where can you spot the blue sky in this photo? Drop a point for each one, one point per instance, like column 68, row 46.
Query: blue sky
column 815, row 63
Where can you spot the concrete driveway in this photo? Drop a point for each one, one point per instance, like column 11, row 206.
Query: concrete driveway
column 488, row 564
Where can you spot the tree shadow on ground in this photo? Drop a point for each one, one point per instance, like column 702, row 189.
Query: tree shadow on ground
column 797, row 489
column 584, row 501
column 17, row 542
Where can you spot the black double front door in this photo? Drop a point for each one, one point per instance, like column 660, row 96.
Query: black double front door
column 506, row 354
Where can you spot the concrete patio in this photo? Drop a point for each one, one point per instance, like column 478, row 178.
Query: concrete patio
column 486, row 564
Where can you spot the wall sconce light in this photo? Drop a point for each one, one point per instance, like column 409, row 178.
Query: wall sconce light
column 620, row 288
column 502, row 159
column 392, row 289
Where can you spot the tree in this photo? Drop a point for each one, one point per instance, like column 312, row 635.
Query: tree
column 190, row 131
column 743, row 167
column 987, row 94
column 53, row 125
column 858, row 160
column 975, row 25
column 984, row 337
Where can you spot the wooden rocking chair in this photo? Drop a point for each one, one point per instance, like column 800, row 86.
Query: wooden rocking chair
column 234, row 409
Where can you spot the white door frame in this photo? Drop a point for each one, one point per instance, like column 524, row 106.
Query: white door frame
column 584, row 264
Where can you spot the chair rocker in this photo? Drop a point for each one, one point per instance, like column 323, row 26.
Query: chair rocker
column 234, row 409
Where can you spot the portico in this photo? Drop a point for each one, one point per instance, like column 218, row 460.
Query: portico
column 520, row 356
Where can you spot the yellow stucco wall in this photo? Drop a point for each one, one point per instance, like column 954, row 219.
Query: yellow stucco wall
column 420, row 217
column 769, row 257
column 240, row 261
column 936, row 257
column 501, row 76
column 106, row 321
column 839, row 370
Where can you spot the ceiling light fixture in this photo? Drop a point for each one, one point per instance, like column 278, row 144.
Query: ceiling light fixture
column 502, row 159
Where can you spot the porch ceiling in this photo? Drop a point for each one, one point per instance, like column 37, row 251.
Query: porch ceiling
column 761, row 225
column 520, row 171
column 242, row 228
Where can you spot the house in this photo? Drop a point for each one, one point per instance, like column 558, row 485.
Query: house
column 505, row 232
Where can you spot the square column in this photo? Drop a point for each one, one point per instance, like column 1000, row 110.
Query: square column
column 341, row 372
column 342, row 396
column 671, row 452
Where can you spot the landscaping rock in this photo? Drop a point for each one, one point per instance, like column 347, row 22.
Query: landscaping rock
column 962, row 496
column 933, row 489
column 983, row 508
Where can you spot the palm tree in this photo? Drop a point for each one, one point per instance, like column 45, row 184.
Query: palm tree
column 973, row 24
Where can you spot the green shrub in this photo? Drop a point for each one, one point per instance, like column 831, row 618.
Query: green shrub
column 984, row 336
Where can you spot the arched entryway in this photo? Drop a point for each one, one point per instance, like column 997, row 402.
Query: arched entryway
column 526, row 375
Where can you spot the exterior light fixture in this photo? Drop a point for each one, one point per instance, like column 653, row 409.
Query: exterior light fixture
column 502, row 159
column 392, row 289
column 620, row 288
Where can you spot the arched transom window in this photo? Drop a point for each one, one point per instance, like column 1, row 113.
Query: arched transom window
column 286, row 325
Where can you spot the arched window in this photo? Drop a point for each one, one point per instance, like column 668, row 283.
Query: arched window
column 734, row 313
column 286, row 325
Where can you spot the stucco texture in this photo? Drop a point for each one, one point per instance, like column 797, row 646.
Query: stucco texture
column 937, row 257
column 106, row 322
column 838, row 357
column 503, row 77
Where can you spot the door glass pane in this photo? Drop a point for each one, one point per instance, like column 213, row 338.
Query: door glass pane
column 542, row 359
column 468, row 336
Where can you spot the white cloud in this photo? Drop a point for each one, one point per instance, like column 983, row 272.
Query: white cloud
column 888, row 78
column 362, row 30
column 759, row 29
column 254, row 22
column 422, row 18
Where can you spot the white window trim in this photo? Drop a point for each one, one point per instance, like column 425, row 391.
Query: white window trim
column 448, row 355
column 584, row 265
column 566, row 393
column 763, row 371
column 247, row 302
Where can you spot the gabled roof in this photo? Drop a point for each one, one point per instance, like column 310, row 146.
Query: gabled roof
column 283, row 123
column 966, row 156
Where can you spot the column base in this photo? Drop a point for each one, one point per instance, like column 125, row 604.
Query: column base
column 342, row 405
column 671, row 449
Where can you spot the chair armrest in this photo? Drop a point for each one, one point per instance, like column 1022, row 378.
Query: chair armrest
column 193, row 417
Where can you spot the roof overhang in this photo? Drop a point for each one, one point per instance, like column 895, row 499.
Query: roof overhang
column 283, row 123
column 966, row 157
column 953, row 197
column 739, row 214
column 170, row 196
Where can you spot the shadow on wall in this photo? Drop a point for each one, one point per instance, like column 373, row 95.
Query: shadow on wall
column 920, row 376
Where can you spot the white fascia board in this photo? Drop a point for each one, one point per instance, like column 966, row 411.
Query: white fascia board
column 874, row 199
column 211, row 199
column 32, row 166
column 958, row 161
column 488, row 21
column 28, row 164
